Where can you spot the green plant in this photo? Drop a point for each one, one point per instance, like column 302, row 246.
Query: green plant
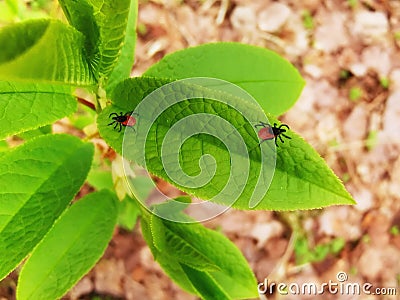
column 371, row 140
column 394, row 230
column 43, row 63
column 384, row 81
column 352, row 3
column 344, row 74
column 11, row 10
column 306, row 254
column 355, row 93
column 308, row 20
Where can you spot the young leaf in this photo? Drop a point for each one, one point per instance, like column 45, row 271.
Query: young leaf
column 46, row 50
column 269, row 78
column 80, row 14
column 128, row 212
column 122, row 68
column 109, row 28
column 27, row 106
column 199, row 253
column 37, row 182
column 301, row 179
column 70, row 249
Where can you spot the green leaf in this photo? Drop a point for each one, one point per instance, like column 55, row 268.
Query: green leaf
column 27, row 106
column 170, row 265
column 46, row 50
column 85, row 116
column 193, row 252
column 70, row 249
column 337, row 245
column 269, row 78
column 80, row 14
column 109, row 28
column 4, row 146
column 128, row 213
column 205, row 284
column 30, row 134
column 184, row 251
column 100, row 179
column 172, row 207
column 123, row 66
column 13, row 6
column 193, row 147
column 301, row 179
column 144, row 186
column 112, row 19
column 320, row 252
column 127, row 95
column 7, row 12
column 37, row 182
column 302, row 251
column 158, row 232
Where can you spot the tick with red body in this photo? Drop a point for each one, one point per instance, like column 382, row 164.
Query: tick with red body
column 268, row 132
column 126, row 120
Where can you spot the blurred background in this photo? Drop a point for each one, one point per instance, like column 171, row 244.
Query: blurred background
column 348, row 53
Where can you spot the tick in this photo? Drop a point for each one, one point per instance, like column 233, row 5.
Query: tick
column 268, row 132
column 121, row 119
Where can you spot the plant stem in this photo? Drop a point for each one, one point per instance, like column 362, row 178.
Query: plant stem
column 86, row 103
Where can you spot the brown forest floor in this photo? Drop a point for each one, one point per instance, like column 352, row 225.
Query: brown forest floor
column 348, row 52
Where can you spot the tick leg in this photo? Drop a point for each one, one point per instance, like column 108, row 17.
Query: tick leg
column 120, row 127
column 111, row 123
column 288, row 137
column 116, row 124
column 276, row 143
column 262, row 141
column 262, row 124
column 280, row 139
column 113, row 114
column 284, row 125
column 131, row 113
